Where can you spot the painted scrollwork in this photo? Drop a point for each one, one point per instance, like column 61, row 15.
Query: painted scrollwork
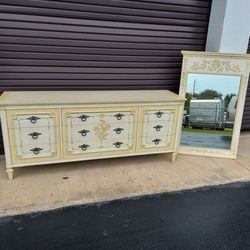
column 217, row 66
column 101, row 130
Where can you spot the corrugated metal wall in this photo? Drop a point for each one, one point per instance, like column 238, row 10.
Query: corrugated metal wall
column 246, row 114
column 97, row 44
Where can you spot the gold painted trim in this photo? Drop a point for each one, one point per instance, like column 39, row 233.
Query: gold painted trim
column 10, row 173
column 3, row 96
column 66, row 155
column 140, row 147
column 216, row 65
column 15, row 159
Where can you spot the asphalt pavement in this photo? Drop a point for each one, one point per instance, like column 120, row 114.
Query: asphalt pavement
column 206, row 140
column 206, row 218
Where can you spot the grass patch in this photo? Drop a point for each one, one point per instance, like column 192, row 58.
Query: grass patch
column 209, row 131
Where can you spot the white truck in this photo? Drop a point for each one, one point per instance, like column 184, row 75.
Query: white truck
column 231, row 109
column 207, row 113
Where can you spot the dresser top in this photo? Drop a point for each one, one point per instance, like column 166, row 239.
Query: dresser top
column 86, row 97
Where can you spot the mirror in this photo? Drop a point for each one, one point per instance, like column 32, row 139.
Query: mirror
column 214, row 86
column 209, row 110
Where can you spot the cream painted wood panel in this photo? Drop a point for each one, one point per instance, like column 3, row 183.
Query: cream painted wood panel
column 51, row 127
column 33, row 135
column 11, row 98
column 158, row 127
column 106, row 130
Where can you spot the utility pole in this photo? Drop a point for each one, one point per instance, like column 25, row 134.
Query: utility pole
column 194, row 87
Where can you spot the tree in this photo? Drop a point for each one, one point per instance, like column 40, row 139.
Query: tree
column 189, row 96
column 209, row 94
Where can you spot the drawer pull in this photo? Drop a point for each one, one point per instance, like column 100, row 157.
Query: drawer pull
column 118, row 144
column 36, row 150
column 118, row 116
column 83, row 117
column 35, row 135
column 33, row 119
column 84, row 147
column 83, row 132
column 159, row 114
column 158, row 127
column 156, row 141
column 118, row 130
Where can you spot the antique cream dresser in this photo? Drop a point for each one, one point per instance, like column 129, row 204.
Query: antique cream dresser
column 44, row 127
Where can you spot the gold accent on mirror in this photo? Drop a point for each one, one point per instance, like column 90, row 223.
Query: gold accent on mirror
column 216, row 65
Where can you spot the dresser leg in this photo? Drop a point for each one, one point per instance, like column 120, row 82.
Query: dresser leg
column 10, row 173
column 173, row 157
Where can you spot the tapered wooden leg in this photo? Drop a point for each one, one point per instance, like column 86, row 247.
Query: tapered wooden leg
column 10, row 172
column 173, row 157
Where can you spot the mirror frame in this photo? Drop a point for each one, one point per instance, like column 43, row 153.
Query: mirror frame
column 195, row 62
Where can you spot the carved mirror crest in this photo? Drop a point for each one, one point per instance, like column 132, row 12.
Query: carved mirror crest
column 214, row 85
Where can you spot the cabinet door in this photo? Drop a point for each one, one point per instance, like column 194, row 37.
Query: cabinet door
column 99, row 131
column 34, row 135
column 157, row 129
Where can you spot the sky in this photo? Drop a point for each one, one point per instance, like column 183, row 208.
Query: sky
column 220, row 83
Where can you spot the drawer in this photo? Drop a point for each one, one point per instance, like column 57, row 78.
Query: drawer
column 88, row 146
column 29, row 120
column 157, row 128
column 91, row 118
column 158, row 115
column 97, row 132
column 157, row 141
column 104, row 130
column 34, row 135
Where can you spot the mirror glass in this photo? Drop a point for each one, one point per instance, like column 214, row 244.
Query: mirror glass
column 210, row 109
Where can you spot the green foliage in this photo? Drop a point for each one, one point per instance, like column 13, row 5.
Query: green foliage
column 187, row 102
column 209, row 94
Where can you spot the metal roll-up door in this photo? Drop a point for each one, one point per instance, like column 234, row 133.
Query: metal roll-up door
column 96, row 44
column 246, row 114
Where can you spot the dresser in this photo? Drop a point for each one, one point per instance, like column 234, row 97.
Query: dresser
column 44, row 127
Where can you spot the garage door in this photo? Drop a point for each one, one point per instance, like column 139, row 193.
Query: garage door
column 246, row 114
column 96, row 44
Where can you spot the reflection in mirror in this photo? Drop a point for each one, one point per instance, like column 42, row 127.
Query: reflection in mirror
column 210, row 110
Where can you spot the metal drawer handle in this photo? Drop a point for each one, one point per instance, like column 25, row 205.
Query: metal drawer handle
column 84, row 147
column 118, row 144
column 83, row 117
column 156, row 141
column 83, row 132
column 159, row 114
column 33, row 119
column 36, row 150
column 119, row 116
column 118, row 130
column 35, row 135
column 158, row 127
